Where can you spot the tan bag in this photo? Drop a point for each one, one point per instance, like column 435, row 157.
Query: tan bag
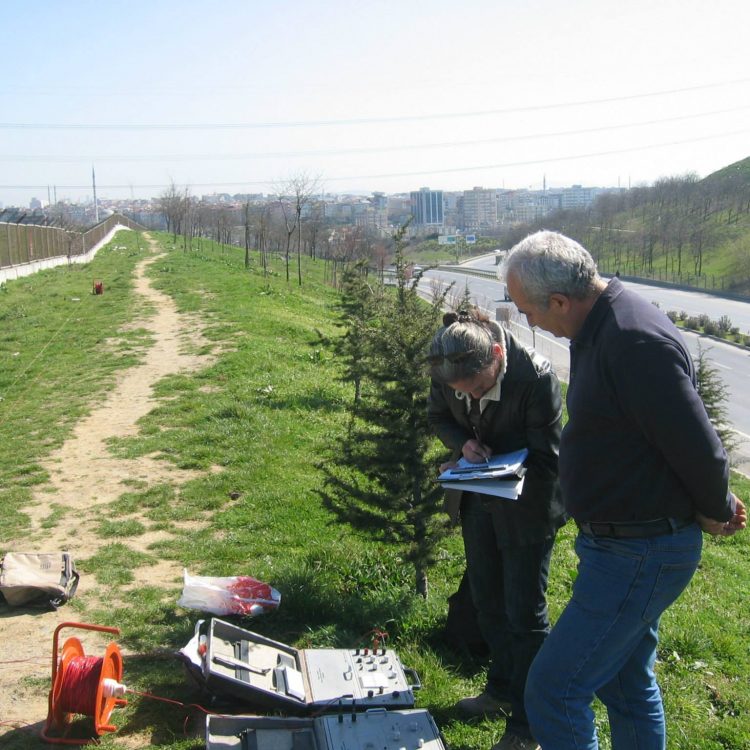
column 46, row 579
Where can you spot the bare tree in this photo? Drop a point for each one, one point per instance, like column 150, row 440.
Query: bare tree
column 293, row 196
column 313, row 228
column 171, row 204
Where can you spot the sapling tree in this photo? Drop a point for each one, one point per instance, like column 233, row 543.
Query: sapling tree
column 714, row 393
column 382, row 478
column 359, row 306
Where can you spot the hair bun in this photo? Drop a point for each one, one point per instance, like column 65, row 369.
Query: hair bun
column 450, row 318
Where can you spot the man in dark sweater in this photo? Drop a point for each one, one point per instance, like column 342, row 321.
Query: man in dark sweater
column 642, row 470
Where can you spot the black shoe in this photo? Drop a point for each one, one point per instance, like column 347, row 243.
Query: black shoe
column 484, row 704
column 511, row 741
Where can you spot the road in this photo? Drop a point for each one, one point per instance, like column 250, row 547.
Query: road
column 731, row 362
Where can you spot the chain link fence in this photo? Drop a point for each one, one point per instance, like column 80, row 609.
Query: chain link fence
column 28, row 243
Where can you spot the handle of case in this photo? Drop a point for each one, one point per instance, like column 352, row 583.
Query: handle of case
column 417, row 684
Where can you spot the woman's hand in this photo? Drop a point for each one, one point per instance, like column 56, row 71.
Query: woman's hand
column 476, row 452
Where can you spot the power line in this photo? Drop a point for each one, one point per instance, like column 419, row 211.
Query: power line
column 362, row 150
column 447, row 170
column 357, row 121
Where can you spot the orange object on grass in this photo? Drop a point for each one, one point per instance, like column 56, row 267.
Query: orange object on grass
column 79, row 687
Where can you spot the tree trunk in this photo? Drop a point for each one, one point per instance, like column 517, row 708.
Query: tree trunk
column 421, row 582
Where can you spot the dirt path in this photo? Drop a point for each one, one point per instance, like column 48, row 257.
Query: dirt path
column 84, row 477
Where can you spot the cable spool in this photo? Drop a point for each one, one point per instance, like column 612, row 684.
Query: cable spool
column 86, row 685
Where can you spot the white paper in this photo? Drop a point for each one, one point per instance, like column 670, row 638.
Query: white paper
column 507, row 465
column 510, row 490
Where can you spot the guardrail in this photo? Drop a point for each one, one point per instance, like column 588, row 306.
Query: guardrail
column 29, row 243
column 468, row 271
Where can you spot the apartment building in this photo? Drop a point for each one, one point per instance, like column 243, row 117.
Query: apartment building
column 478, row 209
column 427, row 209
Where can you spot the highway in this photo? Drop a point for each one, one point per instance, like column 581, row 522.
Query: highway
column 731, row 362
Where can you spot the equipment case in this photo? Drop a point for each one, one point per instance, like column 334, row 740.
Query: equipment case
column 272, row 675
column 374, row 729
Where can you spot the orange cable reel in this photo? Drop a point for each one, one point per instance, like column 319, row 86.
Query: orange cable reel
column 86, row 685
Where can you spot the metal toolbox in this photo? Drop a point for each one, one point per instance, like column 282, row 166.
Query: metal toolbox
column 374, row 729
column 268, row 674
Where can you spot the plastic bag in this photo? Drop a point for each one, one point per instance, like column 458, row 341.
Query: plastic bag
column 232, row 595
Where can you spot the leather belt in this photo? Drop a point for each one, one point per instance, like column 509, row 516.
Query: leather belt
column 635, row 530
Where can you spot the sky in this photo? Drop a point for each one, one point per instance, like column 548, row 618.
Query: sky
column 391, row 96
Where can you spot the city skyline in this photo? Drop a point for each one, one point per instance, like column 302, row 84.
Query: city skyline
column 486, row 94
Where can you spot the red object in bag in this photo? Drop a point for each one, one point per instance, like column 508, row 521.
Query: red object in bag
column 251, row 597
column 232, row 595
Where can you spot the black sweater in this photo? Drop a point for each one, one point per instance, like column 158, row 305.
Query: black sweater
column 638, row 444
column 528, row 415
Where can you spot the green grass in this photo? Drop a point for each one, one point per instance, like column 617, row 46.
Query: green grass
column 60, row 349
column 254, row 424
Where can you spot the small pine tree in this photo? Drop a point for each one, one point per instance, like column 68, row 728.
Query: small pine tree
column 714, row 393
column 358, row 306
column 382, row 478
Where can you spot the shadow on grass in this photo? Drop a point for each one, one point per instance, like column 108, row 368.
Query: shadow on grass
column 456, row 657
column 332, row 608
column 179, row 715
column 312, row 400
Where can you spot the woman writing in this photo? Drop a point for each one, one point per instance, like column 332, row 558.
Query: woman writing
column 491, row 395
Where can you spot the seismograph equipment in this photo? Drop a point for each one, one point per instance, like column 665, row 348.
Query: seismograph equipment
column 231, row 661
column 86, row 685
column 375, row 729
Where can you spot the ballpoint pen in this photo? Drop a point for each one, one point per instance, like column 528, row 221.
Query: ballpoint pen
column 485, row 459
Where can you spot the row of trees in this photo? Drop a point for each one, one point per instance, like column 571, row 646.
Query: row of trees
column 668, row 229
column 291, row 224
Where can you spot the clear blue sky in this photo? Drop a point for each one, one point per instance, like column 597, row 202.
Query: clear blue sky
column 385, row 95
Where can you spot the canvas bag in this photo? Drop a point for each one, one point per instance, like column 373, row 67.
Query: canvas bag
column 38, row 578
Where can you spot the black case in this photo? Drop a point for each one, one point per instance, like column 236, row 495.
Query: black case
column 375, row 729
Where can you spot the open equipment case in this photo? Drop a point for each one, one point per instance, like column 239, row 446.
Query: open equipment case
column 231, row 661
column 374, row 729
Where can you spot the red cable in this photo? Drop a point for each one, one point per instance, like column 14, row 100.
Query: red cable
column 80, row 684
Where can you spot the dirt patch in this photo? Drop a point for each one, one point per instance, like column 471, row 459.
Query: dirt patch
column 84, row 477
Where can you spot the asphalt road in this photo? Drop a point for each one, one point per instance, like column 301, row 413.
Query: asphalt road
column 731, row 362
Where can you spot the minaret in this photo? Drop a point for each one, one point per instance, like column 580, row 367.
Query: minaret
column 96, row 204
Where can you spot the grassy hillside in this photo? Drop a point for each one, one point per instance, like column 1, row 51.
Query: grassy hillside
column 430, row 252
column 734, row 177
column 253, row 425
column 682, row 230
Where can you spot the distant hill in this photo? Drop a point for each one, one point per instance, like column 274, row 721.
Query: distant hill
column 736, row 175
column 683, row 230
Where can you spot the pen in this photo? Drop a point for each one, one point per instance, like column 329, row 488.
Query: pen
column 479, row 440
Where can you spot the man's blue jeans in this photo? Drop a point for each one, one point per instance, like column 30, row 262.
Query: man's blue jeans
column 605, row 642
column 508, row 586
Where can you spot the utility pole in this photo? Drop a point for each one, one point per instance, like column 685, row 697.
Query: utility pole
column 96, row 204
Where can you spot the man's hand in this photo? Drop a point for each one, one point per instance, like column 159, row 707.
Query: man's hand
column 725, row 528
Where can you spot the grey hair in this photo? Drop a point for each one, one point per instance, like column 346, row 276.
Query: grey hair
column 467, row 339
column 546, row 263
